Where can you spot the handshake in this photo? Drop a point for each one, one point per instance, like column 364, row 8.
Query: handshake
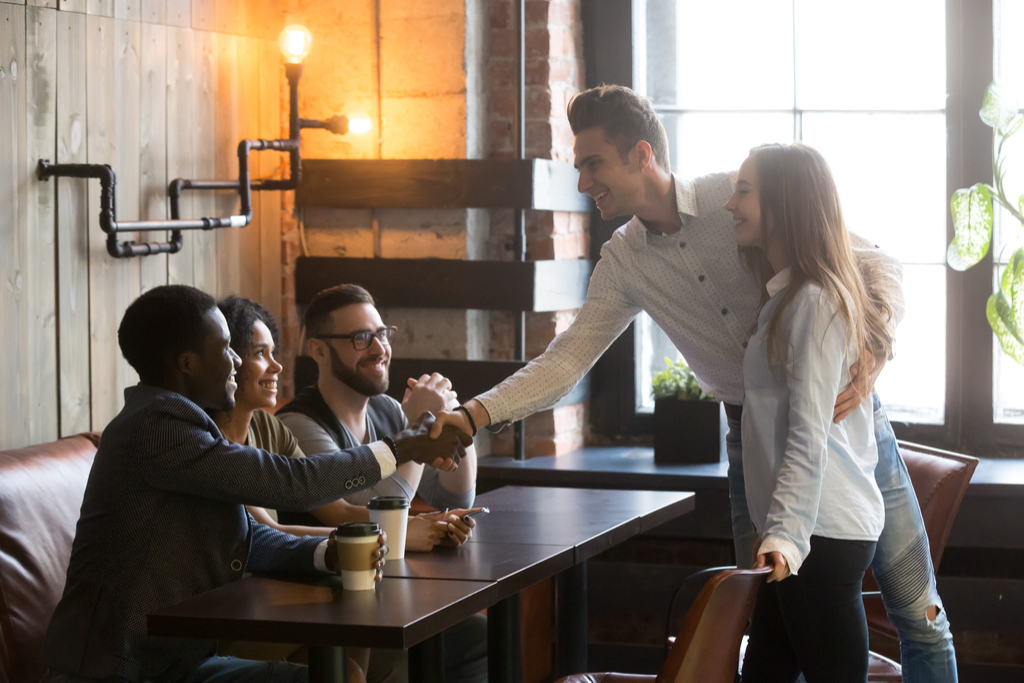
column 445, row 451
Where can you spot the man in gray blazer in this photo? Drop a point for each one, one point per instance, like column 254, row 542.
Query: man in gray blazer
column 163, row 517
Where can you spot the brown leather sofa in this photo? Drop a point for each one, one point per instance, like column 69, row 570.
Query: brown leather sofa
column 41, row 491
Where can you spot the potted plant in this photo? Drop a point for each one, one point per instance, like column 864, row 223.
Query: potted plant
column 687, row 422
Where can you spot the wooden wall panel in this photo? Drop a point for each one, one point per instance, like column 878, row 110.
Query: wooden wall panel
column 227, row 137
column 180, row 116
column 179, row 13
column 225, row 16
column 154, row 11
column 79, row 6
column 38, row 268
column 203, row 15
column 153, row 147
column 204, row 142
column 133, row 84
column 270, row 202
column 128, row 9
column 102, row 8
column 12, row 152
column 72, row 227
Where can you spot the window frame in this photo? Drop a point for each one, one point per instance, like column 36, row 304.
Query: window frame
column 969, row 426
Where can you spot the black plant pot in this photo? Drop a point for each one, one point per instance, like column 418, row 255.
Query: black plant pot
column 687, row 432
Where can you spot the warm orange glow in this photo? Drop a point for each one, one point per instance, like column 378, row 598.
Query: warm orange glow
column 295, row 42
column 359, row 123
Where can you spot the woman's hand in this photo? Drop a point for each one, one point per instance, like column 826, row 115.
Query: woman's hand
column 775, row 560
column 458, row 527
column 379, row 555
column 423, row 533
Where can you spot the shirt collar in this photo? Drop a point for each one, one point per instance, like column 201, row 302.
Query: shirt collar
column 686, row 204
column 778, row 282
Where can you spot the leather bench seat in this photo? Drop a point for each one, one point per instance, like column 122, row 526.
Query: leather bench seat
column 41, row 491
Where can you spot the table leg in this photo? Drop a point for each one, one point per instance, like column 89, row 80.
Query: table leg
column 571, row 617
column 426, row 660
column 328, row 664
column 504, row 664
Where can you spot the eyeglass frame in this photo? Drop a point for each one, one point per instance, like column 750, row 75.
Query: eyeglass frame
column 384, row 335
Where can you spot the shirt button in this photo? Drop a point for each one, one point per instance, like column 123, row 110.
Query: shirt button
column 682, row 245
column 700, row 278
column 236, row 565
column 744, row 344
column 725, row 311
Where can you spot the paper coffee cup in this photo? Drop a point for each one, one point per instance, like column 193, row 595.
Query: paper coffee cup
column 392, row 514
column 356, row 542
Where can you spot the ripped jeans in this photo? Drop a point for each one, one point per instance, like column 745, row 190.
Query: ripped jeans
column 902, row 564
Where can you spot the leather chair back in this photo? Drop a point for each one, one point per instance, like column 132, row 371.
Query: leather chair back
column 707, row 648
column 41, row 492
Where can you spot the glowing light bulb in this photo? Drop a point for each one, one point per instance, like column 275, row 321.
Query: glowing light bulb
column 359, row 123
column 295, row 42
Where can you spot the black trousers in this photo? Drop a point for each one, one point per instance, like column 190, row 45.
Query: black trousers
column 813, row 622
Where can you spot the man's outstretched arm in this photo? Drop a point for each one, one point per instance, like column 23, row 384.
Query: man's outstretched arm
column 606, row 312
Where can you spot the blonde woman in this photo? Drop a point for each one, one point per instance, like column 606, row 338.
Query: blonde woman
column 810, row 482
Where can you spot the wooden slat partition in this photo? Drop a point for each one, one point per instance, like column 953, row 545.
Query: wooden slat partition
column 153, row 147
column 450, row 283
column 540, row 184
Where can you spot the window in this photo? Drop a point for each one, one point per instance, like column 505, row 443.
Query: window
column 1008, row 67
column 871, row 98
column 891, row 100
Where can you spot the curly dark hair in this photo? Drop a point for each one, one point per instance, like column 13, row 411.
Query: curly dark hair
column 160, row 325
column 241, row 314
column 626, row 117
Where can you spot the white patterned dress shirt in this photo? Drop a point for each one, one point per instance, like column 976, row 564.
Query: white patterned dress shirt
column 692, row 283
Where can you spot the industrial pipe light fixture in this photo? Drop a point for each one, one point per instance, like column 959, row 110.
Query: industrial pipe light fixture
column 295, row 42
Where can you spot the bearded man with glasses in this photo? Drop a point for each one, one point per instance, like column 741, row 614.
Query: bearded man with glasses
column 348, row 405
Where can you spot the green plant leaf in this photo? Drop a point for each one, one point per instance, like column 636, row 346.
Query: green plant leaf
column 1014, row 126
column 998, row 107
column 1005, row 308
column 972, row 224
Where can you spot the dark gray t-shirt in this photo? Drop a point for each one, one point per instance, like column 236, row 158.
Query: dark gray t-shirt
column 384, row 417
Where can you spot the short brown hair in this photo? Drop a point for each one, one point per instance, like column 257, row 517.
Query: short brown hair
column 627, row 118
column 318, row 313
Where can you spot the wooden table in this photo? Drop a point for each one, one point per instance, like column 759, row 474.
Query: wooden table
column 531, row 534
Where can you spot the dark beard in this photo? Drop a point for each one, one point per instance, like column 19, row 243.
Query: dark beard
column 352, row 379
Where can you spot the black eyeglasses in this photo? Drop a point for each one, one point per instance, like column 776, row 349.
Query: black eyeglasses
column 362, row 339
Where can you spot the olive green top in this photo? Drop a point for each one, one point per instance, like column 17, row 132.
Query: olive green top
column 269, row 433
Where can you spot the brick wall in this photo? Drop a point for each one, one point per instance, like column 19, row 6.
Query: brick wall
column 554, row 72
column 444, row 88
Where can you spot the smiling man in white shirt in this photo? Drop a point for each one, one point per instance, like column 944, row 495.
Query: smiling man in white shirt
column 677, row 260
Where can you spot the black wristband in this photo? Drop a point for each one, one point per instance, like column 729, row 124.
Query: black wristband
column 469, row 416
column 392, row 445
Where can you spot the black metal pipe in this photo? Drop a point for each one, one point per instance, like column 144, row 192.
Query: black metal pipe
column 294, row 72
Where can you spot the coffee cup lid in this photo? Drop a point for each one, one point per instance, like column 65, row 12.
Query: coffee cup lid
column 357, row 529
column 388, row 503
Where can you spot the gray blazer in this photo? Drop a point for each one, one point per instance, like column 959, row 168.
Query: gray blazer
column 164, row 519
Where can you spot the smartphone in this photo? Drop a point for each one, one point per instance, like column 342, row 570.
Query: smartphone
column 478, row 513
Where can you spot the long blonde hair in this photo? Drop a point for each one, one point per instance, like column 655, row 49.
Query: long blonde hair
column 800, row 208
